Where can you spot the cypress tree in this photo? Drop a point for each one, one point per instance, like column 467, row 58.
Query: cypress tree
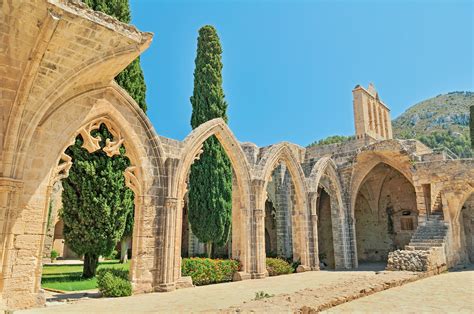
column 96, row 202
column 131, row 79
column 210, row 179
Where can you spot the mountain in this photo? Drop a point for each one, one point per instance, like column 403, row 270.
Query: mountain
column 438, row 122
column 442, row 121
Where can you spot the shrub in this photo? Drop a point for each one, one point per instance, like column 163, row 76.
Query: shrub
column 113, row 255
column 114, row 282
column 278, row 266
column 262, row 295
column 54, row 255
column 205, row 271
column 295, row 264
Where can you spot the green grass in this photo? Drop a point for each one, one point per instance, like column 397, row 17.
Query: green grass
column 68, row 277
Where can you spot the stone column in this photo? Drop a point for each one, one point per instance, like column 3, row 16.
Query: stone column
column 350, row 243
column 20, row 277
column 259, row 197
column 259, row 215
column 314, row 229
column 314, row 226
column 170, row 265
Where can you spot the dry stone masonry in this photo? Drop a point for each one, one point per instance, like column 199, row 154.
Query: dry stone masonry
column 417, row 260
column 57, row 63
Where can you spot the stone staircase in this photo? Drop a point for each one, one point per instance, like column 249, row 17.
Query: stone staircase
column 431, row 233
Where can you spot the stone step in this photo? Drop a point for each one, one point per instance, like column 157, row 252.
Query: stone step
column 430, row 240
column 440, row 232
column 434, row 225
column 425, row 244
column 435, row 238
column 428, row 235
column 419, row 248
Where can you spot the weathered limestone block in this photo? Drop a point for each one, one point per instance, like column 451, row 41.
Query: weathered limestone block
column 417, row 260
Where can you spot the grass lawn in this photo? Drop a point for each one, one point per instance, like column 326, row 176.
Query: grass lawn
column 68, row 277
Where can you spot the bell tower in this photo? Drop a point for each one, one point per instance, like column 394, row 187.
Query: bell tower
column 371, row 115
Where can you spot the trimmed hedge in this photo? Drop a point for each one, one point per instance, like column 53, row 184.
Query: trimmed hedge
column 114, row 282
column 205, row 271
column 278, row 266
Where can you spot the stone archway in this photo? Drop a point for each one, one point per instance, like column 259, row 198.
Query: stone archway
column 178, row 169
column 325, row 227
column 27, row 227
column 385, row 213
column 282, row 154
column 327, row 207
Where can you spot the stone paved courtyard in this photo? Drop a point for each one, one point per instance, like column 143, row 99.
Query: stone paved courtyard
column 451, row 292
column 292, row 292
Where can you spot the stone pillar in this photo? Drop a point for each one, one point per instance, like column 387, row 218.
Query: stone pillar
column 261, row 270
column 51, row 219
column 195, row 247
column 172, row 263
column 314, row 226
column 259, row 197
column 314, row 229
column 20, row 276
column 350, row 241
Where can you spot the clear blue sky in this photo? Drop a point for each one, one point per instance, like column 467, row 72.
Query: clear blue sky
column 290, row 66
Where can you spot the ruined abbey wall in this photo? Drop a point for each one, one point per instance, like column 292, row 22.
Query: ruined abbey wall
column 57, row 82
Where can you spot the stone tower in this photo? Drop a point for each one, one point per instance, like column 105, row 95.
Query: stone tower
column 371, row 115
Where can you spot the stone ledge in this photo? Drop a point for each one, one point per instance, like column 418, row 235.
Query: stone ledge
column 184, row 282
column 240, row 275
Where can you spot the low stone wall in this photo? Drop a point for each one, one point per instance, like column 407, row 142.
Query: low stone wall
column 417, row 260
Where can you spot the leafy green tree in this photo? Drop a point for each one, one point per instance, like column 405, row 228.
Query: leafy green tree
column 131, row 79
column 210, row 179
column 458, row 143
column 332, row 140
column 96, row 202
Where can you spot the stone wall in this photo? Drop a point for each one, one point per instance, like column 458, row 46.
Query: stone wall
column 56, row 86
column 417, row 260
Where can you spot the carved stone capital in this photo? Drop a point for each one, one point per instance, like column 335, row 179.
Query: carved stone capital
column 9, row 184
column 171, row 203
column 259, row 213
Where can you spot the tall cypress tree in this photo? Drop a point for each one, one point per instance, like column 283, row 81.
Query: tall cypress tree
column 98, row 226
column 96, row 202
column 131, row 79
column 210, row 179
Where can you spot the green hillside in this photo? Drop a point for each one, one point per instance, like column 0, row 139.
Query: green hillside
column 442, row 121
